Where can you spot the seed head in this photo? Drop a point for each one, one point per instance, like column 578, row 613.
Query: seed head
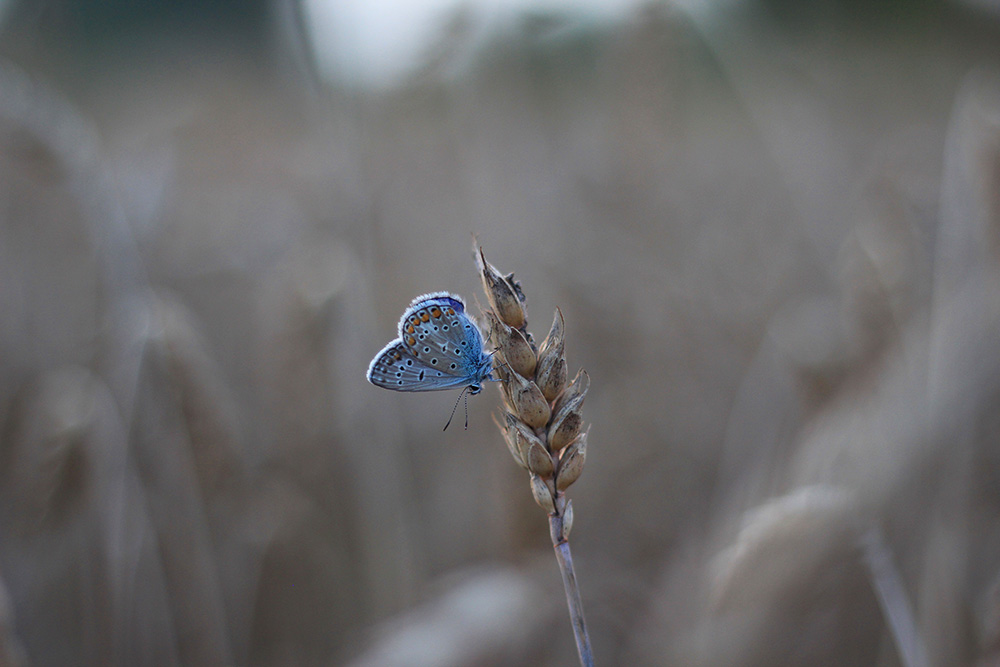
column 567, row 419
column 567, row 522
column 529, row 402
column 514, row 346
column 573, row 395
column 510, row 437
column 503, row 292
column 571, row 463
column 539, row 461
column 542, row 494
column 556, row 337
column 525, row 439
column 564, row 428
column 543, row 419
column 551, row 372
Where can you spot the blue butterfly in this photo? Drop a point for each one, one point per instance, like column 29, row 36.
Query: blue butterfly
column 439, row 347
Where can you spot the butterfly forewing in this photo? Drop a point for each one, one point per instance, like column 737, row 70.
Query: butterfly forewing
column 435, row 330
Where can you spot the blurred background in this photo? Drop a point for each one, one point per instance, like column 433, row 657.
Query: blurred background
column 772, row 228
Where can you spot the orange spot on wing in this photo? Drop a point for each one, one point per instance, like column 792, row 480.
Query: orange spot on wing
column 424, row 317
column 409, row 328
column 451, row 311
column 411, row 341
column 435, row 312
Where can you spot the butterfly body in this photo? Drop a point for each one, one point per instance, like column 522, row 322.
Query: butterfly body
column 439, row 347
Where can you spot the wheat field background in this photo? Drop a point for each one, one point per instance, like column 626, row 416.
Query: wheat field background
column 772, row 230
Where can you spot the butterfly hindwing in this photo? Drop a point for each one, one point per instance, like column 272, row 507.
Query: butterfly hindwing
column 395, row 368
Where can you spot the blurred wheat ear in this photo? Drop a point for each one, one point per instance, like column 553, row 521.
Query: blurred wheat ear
column 542, row 422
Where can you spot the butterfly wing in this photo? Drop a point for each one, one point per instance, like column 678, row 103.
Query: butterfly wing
column 437, row 305
column 395, row 368
column 439, row 347
column 436, row 330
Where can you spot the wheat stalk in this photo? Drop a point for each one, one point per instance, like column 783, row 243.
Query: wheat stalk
column 542, row 423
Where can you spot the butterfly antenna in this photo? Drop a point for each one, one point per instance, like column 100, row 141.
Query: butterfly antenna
column 456, row 408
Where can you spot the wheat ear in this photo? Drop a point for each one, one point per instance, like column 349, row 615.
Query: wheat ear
column 542, row 423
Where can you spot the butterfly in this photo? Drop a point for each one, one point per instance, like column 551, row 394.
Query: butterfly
column 439, row 347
